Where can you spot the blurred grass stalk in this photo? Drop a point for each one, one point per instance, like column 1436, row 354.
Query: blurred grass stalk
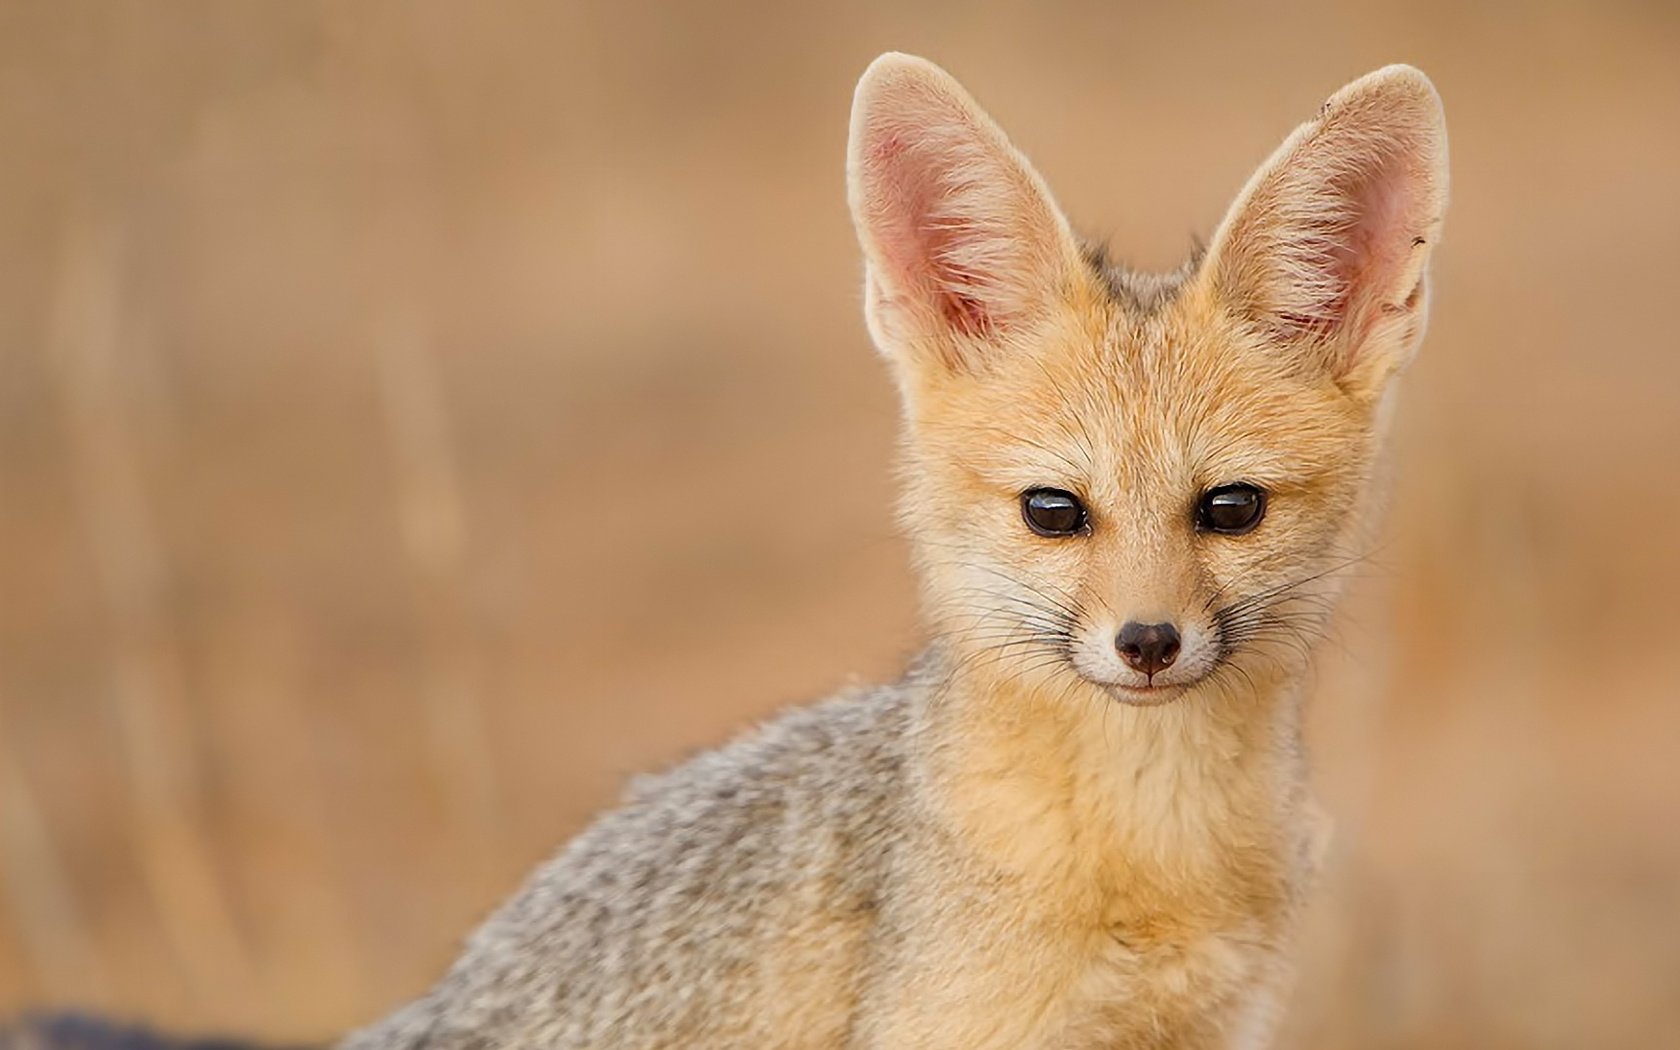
column 55, row 931
column 432, row 524
column 156, row 723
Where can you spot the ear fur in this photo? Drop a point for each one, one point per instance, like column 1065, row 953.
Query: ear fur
column 1326, row 251
column 964, row 247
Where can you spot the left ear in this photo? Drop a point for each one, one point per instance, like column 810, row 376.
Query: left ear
column 965, row 249
column 1325, row 253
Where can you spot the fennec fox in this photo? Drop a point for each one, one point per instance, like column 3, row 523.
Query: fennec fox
column 1080, row 819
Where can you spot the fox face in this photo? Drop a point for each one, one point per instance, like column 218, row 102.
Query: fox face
column 1140, row 485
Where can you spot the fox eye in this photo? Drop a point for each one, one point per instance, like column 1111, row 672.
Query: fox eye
column 1053, row 512
column 1231, row 509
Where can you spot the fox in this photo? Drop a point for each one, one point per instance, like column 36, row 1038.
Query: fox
column 1081, row 818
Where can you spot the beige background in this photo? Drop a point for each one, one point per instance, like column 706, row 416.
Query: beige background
column 414, row 418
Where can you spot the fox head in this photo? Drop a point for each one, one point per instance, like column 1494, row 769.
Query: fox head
column 1140, row 485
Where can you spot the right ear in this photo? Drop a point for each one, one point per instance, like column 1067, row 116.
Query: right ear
column 964, row 247
column 1325, row 254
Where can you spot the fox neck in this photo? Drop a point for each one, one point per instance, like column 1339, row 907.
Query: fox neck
column 1090, row 794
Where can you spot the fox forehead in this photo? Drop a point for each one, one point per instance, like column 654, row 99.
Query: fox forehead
column 1134, row 383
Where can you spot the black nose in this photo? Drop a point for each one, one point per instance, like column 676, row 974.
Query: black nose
column 1148, row 647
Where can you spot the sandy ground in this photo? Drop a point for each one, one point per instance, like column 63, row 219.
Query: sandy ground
column 390, row 399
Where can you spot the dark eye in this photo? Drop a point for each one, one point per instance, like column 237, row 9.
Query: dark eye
column 1052, row 512
column 1231, row 509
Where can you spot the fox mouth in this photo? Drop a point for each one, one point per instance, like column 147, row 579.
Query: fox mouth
column 1146, row 696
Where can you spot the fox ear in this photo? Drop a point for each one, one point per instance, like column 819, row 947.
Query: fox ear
column 964, row 247
column 1326, row 250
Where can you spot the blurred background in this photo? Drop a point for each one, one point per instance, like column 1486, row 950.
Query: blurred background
column 415, row 418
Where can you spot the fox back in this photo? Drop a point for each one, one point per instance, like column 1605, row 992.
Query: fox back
column 1080, row 819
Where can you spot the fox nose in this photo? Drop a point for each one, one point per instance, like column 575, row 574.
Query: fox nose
column 1148, row 647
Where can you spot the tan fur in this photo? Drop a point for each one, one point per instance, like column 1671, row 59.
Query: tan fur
column 1008, row 849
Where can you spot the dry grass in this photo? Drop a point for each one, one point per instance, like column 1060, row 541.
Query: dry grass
column 414, row 419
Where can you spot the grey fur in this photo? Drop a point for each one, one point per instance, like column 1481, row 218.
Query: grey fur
column 1137, row 291
column 647, row 929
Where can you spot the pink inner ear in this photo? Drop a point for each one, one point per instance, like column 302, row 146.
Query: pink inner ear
column 921, row 231
column 1386, row 204
column 1370, row 253
column 1350, row 244
column 966, row 314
